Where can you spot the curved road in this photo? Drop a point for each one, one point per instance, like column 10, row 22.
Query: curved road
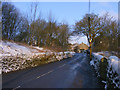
column 73, row 72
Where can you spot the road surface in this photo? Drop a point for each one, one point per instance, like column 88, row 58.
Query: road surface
column 73, row 72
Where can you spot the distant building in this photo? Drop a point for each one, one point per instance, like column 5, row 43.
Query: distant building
column 79, row 47
column 83, row 46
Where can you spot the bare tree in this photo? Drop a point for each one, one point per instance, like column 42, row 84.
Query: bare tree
column 10, row 20
column 32, row 24
column 104, row 29
column 82, row 27
column 108, row 37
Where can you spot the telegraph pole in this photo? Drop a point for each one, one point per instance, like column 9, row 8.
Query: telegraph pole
column 90, row 43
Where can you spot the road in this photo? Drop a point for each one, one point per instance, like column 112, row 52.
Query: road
column 73, row 72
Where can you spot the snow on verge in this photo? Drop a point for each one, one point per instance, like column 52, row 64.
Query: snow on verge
column 115, row 63
column 113, row 70
column 14, row 56
column 13, row 49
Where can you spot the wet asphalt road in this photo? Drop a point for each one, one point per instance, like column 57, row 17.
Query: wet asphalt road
column 73, row 72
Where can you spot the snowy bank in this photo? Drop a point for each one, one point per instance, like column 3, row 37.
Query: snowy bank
column 115, row 63
column 14, row 49
column 14, row 56
column 97, row 56
column 107, row 69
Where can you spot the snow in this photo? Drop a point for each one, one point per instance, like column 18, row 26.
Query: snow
column 99, row 57
column 91, row 62
column 114, row 58
column 98, row 53
column 14, row 56
column 61, row 55
column 115, row 63
column 13, row 49
column 38, row 48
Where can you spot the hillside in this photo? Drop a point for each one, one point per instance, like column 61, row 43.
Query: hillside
column 15, row 56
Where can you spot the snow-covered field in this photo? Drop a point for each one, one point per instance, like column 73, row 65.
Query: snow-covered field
column 14, row 49
column 113, row 69
column 15, row 56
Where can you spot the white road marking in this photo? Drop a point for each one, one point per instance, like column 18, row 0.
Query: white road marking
column 50, row 71
column 16, row 87
column 45, row 74
column 62, row 66
column 41, row 75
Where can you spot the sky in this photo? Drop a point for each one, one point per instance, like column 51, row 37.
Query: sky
column 69, row 12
